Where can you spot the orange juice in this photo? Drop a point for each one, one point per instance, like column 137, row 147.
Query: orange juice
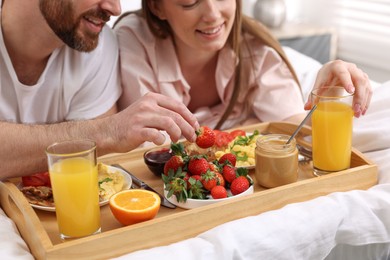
column 332, row 136
column 76, row 196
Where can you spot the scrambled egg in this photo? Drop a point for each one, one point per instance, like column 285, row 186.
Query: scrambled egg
column 243, row 148
column 110, row 182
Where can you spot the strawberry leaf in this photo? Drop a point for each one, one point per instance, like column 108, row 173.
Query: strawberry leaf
column 242, row 171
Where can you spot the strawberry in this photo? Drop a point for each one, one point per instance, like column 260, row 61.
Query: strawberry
column 176, row 184
column 178, row 149
column 237, row 132
column 195, row 177
column 198, row 165
column 177, row 187
column 195, row 188
column 239, row 185
column 174, row 163
column 228, row 157
column 213, row 166
column 221, row 180
column 229, row 173
column 186, row 178
column 219, row 192
column 209, row 180
column 222, row 139
column 205, row 137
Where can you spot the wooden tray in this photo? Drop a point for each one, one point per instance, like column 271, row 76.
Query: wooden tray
column 39, row 228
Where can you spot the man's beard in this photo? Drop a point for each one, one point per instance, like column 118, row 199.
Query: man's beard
column 59, row 15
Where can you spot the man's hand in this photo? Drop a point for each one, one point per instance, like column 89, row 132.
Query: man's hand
column 145, row 119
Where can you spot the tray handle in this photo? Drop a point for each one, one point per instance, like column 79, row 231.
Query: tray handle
column 17, row 208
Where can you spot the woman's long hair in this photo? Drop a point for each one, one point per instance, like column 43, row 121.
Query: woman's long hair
column 242, row 24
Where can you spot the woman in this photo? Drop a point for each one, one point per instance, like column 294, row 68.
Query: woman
column 225, row 67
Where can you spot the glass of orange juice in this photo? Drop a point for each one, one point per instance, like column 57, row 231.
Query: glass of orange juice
column 74, row 179
column 331, row 129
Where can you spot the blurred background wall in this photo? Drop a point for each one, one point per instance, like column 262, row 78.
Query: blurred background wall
column 362, row 28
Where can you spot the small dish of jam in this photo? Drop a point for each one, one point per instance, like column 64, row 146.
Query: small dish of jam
column 156, row 158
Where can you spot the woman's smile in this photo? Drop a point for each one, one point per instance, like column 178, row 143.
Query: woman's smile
column 211, row 31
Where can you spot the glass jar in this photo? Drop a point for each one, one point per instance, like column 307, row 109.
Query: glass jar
column 276, row 161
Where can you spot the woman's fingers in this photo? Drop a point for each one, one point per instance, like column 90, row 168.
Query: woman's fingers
column 349, row 76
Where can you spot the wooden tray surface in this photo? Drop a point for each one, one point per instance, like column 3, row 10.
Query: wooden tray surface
column 39, row 228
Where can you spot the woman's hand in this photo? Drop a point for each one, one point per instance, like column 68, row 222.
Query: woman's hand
column 349, row 76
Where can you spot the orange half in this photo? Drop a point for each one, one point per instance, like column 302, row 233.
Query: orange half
column 134, row 206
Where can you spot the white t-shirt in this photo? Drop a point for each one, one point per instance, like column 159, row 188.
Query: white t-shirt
column 74, row 85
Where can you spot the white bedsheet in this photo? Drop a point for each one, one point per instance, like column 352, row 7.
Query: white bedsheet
column 345, row 225
column 12, row 246
column 306, row 230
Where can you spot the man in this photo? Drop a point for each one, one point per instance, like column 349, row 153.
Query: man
column 58, row 68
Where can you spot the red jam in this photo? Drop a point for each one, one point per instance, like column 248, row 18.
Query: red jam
column 156, row 159
column 160, row 156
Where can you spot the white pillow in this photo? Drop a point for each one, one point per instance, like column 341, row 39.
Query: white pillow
column 12, row 246
column 305, row 67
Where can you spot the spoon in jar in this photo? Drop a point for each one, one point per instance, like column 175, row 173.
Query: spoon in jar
column 301, row 124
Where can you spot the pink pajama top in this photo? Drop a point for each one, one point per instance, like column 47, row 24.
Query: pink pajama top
column 150, row 64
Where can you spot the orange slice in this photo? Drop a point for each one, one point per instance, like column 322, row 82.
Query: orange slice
column 134, row 206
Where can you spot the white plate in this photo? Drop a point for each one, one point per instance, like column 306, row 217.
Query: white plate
column 195, row 203
column 249, row 167
column 126, row 185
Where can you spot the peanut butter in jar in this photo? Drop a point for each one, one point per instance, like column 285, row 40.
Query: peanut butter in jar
column 276, row 161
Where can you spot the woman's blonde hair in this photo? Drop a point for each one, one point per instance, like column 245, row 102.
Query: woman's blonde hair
column 242, row 24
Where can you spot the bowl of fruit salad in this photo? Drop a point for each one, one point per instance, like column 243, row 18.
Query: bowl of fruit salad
column 194, row 179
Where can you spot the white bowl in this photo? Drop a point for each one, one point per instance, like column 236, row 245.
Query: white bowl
column 195, row 203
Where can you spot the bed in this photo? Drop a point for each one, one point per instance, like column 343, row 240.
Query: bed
column 343, row 225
